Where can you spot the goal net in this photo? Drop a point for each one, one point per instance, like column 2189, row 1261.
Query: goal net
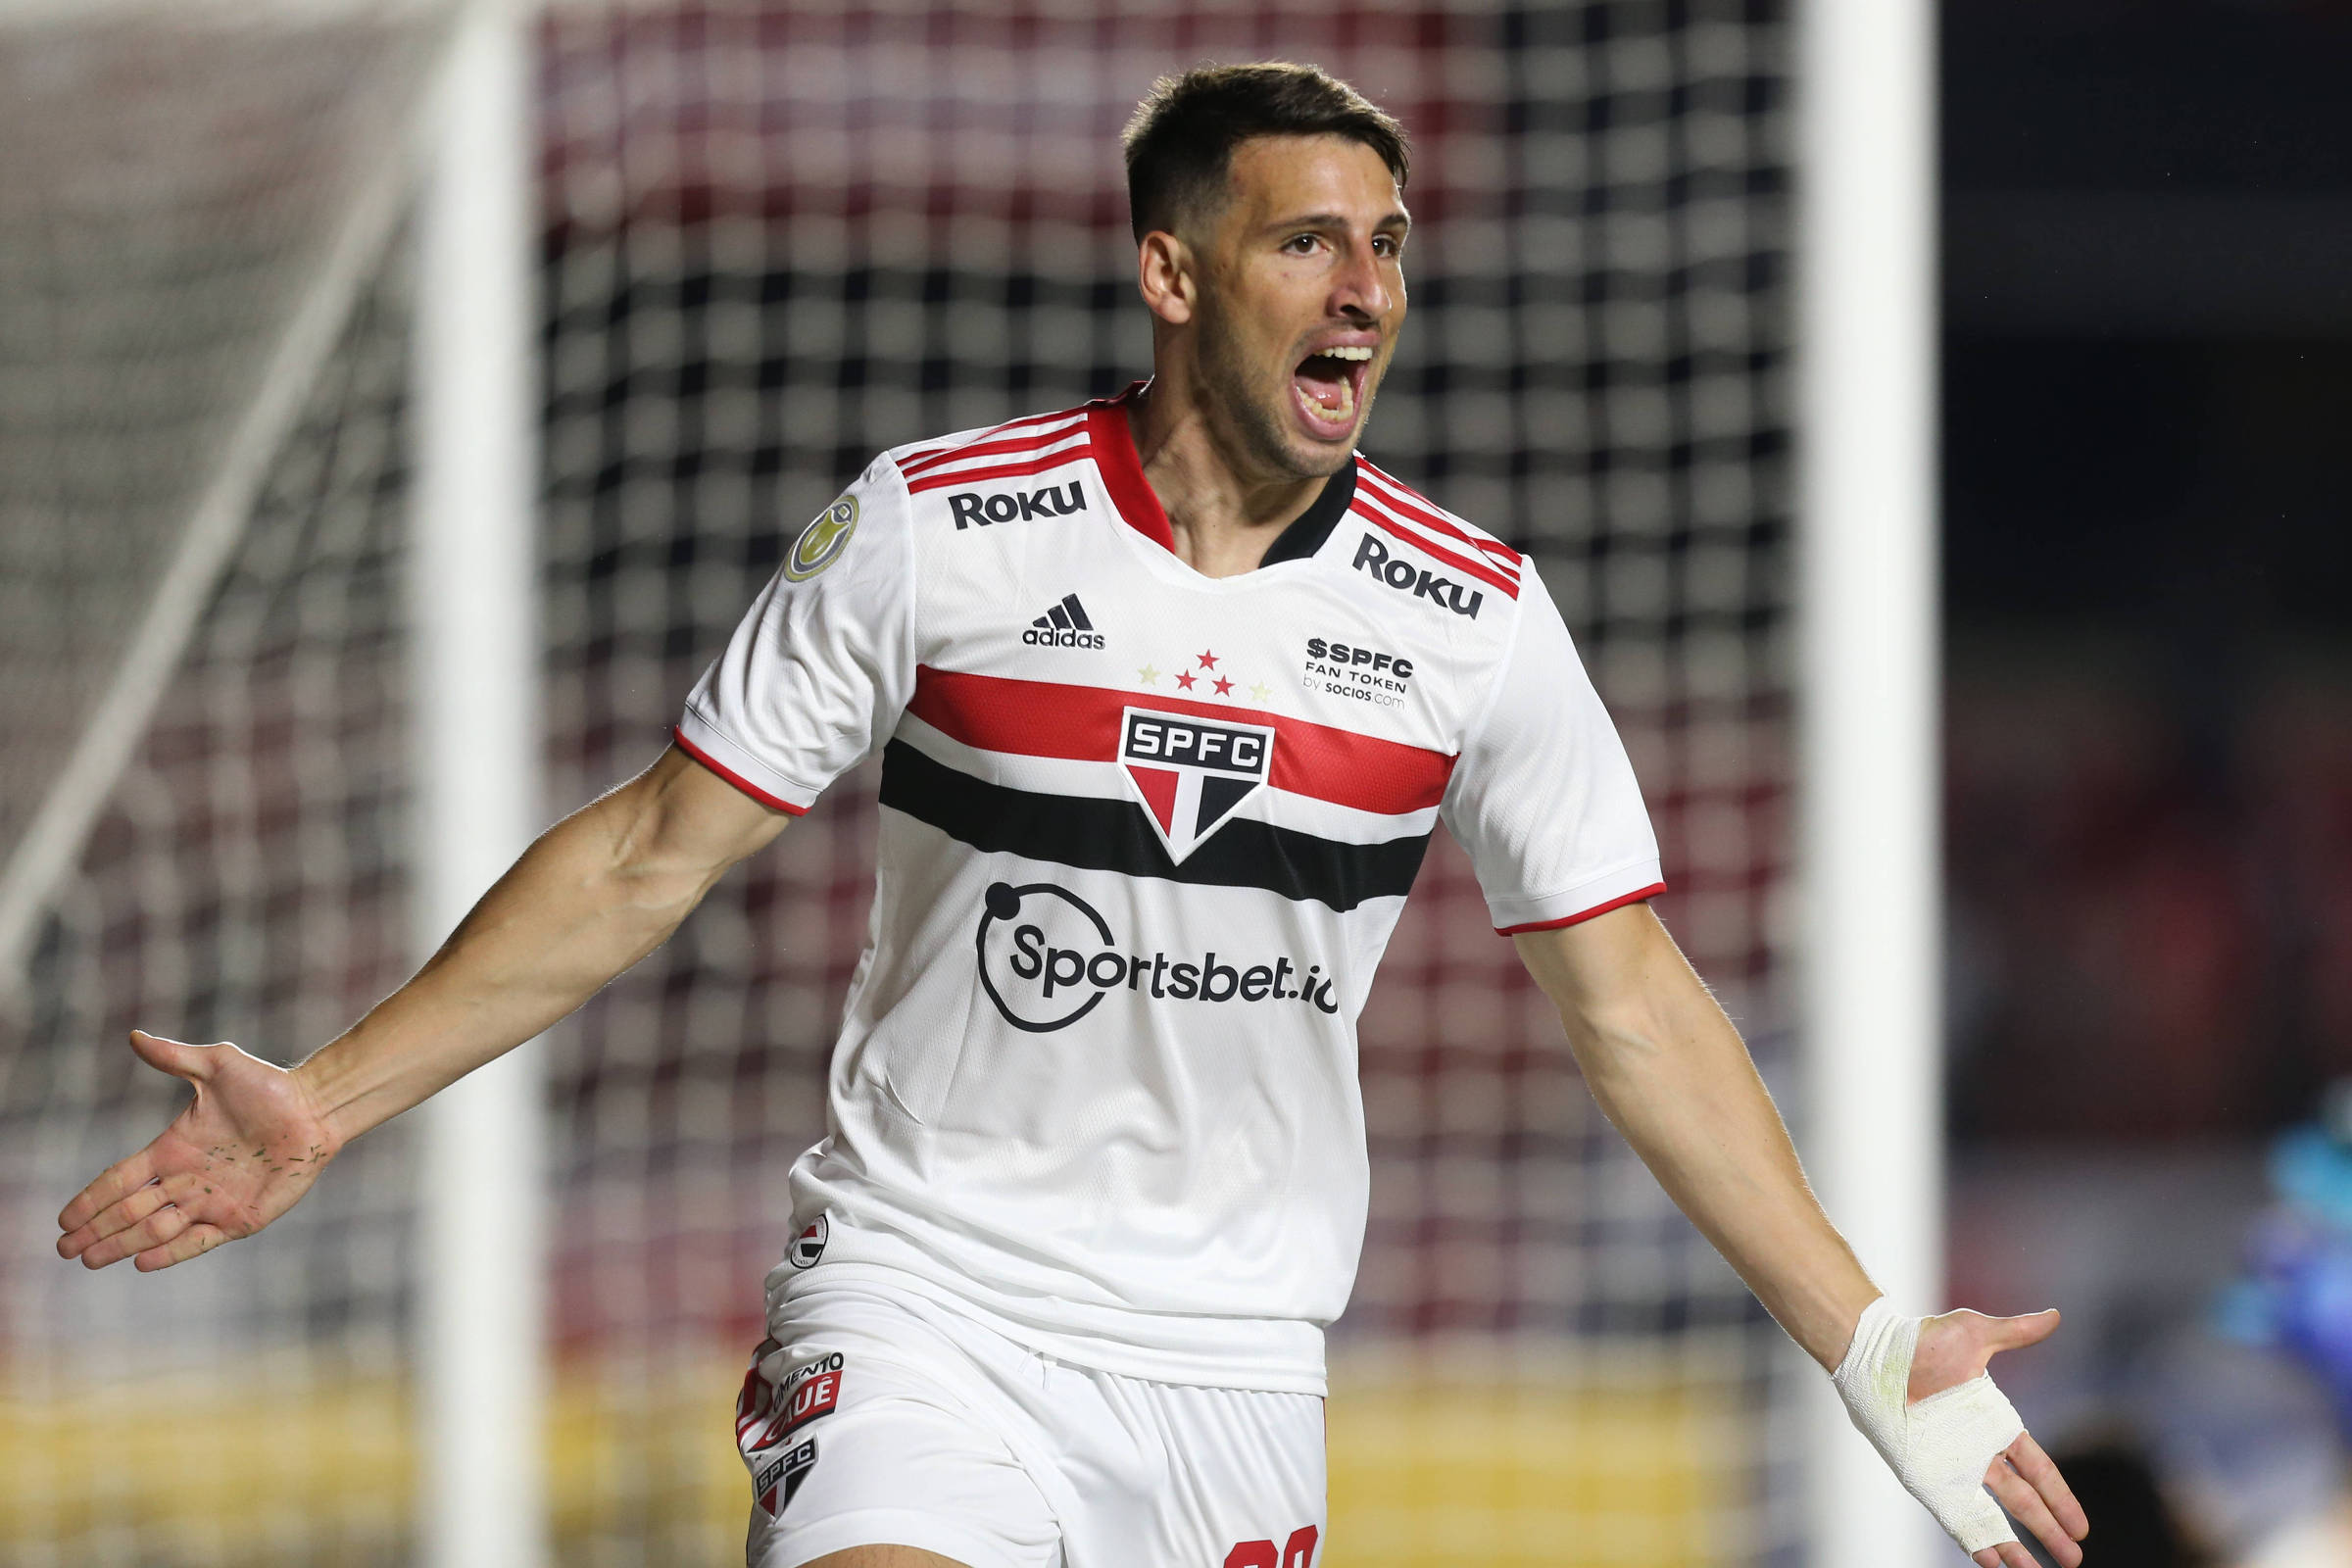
column 778, row 237
column 203, row 357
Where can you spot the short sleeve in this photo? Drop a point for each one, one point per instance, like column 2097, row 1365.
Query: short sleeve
column 822, row 665
column 1543, row 797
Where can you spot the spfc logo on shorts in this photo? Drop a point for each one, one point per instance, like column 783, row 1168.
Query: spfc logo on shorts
column 777, row 1480
column 1190, row 773
column 809, row 1245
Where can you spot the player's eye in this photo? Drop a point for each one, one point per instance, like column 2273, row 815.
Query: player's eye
column 1300, row 244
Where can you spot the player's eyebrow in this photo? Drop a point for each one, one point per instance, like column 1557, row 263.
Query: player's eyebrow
column 1396, row 221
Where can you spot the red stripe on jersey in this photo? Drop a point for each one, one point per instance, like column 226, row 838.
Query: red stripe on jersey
column 1479, row 570
column 989, row 446
column 1010, row 448
column 1403, row 497
column 1635, row 897
column 1004, row 470
column 1043, row 718
column 1131, row 493
column 771, row 802
column 1011, row 429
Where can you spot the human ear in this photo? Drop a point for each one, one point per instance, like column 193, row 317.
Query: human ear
column 1166, row 277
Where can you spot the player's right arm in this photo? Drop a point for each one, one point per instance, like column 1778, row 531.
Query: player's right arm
column 816, row 674
column 596, row 893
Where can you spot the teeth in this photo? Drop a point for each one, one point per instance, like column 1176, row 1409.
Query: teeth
column 1342, row 405
column 1345, row 353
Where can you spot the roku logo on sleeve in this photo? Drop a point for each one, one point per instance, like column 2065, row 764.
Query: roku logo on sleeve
column 1396, row 572
column 973, row 510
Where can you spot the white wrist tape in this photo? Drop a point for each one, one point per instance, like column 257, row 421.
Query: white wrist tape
column 1940, row 1447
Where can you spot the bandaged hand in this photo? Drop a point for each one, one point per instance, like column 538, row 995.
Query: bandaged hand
column 1952, row 1436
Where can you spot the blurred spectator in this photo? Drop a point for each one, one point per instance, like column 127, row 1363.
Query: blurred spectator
column 2295, row 1300
column 2152, row 926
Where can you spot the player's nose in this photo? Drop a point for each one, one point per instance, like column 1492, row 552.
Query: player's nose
column 1360, row 289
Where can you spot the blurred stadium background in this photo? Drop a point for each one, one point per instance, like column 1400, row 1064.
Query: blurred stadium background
column 777, row 237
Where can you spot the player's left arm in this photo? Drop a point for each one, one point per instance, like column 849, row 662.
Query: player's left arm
column 1671, row 1072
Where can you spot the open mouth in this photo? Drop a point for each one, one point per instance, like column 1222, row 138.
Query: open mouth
column 1326, row 387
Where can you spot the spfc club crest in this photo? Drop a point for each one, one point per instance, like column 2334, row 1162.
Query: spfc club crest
column 809, row 1245
column 779, row 1475
column 1190, row 773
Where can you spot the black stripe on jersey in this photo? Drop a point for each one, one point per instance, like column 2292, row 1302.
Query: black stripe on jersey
column 1308, row 531
column 1096, row 835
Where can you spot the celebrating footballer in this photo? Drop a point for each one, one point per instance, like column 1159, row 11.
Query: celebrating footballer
column 1169, row 692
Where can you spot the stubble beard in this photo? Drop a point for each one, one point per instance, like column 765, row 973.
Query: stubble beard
column 1234, row 403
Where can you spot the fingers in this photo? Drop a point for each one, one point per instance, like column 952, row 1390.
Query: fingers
column 112, row 1220
column 93, row 1215
column 164, row 1221
column 180, row 1059
column 156, row 1216
column 197, row 1240
column 120, row 1179
column 2016, row 1333
column 2027, row 1459
column 2026, row 1506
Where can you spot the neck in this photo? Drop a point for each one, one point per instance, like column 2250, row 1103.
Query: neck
column 1222, row 515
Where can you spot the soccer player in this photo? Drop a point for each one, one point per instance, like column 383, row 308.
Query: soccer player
column 1170, row 691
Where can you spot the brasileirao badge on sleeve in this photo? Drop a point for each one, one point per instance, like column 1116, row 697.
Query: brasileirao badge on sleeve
column 821, row 543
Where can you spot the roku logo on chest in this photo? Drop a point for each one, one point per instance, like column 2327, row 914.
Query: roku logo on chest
column 1373, row 556
column 973, row 510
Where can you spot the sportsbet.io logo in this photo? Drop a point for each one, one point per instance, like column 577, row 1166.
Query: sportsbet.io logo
column 1048, row 958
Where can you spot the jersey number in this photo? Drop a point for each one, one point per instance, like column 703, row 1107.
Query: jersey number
column 1296, row 1552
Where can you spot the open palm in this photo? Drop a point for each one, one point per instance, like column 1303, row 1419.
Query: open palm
column 1955, row 1348
column 237, row 1157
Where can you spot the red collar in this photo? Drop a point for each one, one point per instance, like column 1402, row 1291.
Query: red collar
column 1110, row 435
column 1110, row 432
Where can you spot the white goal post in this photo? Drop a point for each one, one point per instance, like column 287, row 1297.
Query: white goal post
column 442, row 138
column 479, row 791
column 1869, row 840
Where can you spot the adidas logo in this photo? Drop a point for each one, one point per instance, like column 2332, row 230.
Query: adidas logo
column 1063, row 627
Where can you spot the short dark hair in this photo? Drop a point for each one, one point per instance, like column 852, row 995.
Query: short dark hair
column 1180, row 143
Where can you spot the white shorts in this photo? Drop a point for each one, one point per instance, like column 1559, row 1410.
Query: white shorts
column 889, row 1419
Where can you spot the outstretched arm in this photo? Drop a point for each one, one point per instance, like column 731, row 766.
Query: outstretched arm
column 1671, row 1072
column 596, row 893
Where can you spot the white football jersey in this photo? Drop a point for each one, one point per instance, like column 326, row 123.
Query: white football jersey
column 1144, row 835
